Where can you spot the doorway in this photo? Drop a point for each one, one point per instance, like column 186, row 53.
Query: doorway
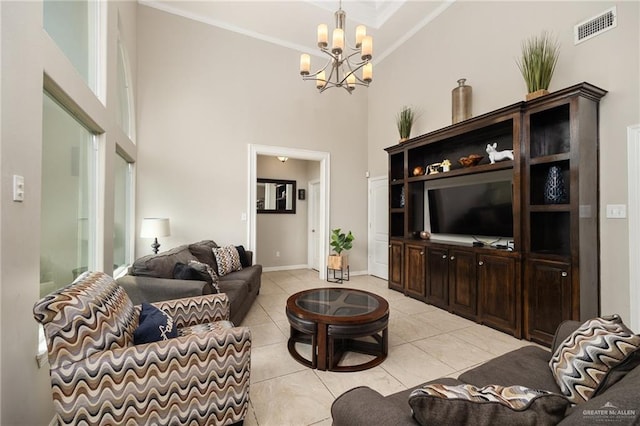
column 323, row 203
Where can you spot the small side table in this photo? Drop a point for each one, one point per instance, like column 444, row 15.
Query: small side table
column 335, row 278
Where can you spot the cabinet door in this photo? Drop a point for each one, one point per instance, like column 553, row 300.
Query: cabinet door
column 438, row 277
column 499, row 286
column 547, row 291
column 415, row 270
column 462, row 283
column 396, row 262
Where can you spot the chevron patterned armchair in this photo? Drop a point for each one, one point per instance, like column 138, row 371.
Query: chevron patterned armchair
column 98, row 375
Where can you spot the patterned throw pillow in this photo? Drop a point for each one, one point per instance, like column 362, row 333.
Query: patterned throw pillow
column 154, row 325
column 490, row 405
column 594, row 357
column 203, row 268
column 228, row 259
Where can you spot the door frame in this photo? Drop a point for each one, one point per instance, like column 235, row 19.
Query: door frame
column 301, row 154
column 310, row 242
column 370, row 236
column 633, row 155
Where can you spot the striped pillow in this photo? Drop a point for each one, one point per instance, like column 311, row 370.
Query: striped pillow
column 228, row 259
column 593, row 357
column 438, row 404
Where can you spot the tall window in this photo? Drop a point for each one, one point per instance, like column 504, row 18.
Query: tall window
column 73, row 25
column 68, row 198
column 123, row 221
column 126, row 118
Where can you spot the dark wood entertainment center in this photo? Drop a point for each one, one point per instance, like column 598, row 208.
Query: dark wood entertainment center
column 552, row 272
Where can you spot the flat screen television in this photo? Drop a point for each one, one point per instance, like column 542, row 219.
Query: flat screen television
column 479, row 205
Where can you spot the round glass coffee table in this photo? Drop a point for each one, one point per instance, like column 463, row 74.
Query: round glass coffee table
column 335, row 321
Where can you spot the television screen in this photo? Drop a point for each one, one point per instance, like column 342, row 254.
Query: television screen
column 472, row 209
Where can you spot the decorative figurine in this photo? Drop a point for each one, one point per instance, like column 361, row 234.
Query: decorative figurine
column 495, row 155
column 446, row 165
column 433, row 168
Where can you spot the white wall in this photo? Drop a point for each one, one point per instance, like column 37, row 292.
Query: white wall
column 479, row 41
column 204, row 95
column 27, row 52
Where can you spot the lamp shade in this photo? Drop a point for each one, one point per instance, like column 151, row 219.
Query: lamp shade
column 153, row 227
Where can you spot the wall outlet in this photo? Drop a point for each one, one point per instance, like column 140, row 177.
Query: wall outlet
column 277, row 254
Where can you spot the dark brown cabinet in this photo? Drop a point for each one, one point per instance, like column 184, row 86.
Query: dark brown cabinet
column 547, row 298
column 396, row 265
column 560, row 210
column 438, row 277
column 500, row 296
column 415, row 270
column 551, row 272
column 463, row 283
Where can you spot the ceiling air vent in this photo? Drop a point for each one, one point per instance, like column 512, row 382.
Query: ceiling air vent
column 595, row 26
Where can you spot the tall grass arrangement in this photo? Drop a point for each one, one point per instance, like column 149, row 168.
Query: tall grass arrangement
column 538, row 61
column 404, row 121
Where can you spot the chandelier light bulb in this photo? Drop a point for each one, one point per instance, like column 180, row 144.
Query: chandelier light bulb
column 338, row 41
column 305, row 64
column 321, row 81
column 361, row 31
column 367, row 72
column 323, row 35
column 351, row 81
column 367, row 48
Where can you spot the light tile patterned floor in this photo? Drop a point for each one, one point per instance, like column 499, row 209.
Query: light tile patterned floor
column 424, row 343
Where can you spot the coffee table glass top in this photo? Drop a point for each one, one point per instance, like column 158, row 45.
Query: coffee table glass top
column 337, row 302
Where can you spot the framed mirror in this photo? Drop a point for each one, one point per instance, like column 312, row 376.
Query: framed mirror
column 276, row 196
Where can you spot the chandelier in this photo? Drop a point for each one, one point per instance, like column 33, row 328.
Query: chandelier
column 344, row 61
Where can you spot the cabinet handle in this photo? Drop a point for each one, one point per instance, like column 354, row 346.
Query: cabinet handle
column 564, row 274
column 481, row 263
column 444, row 256
column 422, row 253
column 389, row 245
column 453, row 258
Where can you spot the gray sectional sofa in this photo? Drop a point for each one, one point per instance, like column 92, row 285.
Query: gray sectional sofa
column 150, row 278
column 528, row 366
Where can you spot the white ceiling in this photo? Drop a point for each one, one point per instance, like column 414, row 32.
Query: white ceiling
column 293, row 24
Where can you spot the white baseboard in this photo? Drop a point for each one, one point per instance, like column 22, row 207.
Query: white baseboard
column 293, row 267
column 284, row 268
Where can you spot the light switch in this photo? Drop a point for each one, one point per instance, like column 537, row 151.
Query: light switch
column 616, row 211
column 18, row 188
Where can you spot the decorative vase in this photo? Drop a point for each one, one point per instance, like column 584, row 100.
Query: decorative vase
column 554, row 189
column 402, row 140
column 536, row 94
column 461, row 102
column 402, row 197
column 338, row 262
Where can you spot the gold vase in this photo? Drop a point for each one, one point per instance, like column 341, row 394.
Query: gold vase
column 536, row 94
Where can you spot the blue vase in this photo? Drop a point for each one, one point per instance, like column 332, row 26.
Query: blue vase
column 554, row 188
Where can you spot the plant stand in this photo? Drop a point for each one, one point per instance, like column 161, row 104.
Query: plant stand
column 338, row 278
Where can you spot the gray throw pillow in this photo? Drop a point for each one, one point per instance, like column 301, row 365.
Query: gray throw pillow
column 492, row 405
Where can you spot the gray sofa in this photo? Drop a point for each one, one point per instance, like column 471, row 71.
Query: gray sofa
column 527, row 366
column 150, row 279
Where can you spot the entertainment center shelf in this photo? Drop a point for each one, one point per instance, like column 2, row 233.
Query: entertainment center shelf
column 551, row 274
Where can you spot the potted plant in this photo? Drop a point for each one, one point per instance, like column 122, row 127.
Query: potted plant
column 404, row 121
column 538, row 62
column 339, row 242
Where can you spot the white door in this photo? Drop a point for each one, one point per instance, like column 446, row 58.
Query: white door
column 379, row 227
column 314, row 225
